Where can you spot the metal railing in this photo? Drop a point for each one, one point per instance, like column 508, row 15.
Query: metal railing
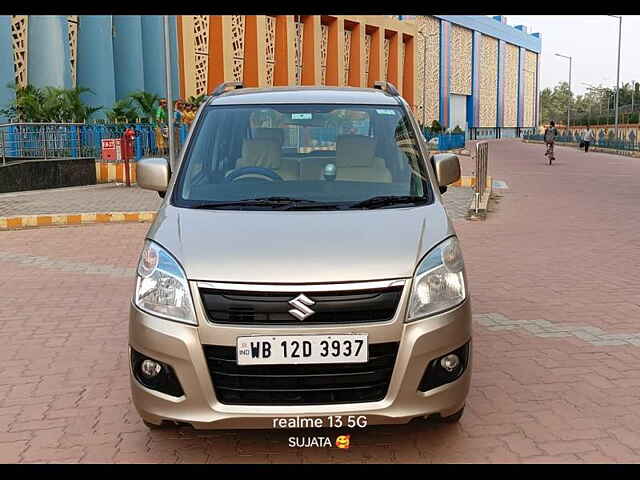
column 602, row 141
column 26, row 141
column 34, row 140
column 482, row 165
column 479, row 133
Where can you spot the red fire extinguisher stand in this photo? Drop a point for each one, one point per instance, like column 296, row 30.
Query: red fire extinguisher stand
column 128, row 152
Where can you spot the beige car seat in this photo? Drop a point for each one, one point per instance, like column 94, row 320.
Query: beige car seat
column 276, row 134
column 356, row 160
column 266, row 153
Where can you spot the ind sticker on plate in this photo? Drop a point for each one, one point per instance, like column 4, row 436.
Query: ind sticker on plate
column 301, row 116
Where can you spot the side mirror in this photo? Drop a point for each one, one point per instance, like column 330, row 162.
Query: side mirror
column 153, row 174
column 447, row 169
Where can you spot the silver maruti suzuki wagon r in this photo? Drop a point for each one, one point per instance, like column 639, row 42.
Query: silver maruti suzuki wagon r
column 301, row 265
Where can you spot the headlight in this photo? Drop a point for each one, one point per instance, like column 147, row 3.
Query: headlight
column 438, row 283
column 161, row 286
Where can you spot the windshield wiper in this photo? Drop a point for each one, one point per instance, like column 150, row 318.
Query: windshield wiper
column 259, row 202
column 386, row 200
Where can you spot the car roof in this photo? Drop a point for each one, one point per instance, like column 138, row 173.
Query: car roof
column 340, row 95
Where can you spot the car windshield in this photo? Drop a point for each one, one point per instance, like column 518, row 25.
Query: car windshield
column 314, row 156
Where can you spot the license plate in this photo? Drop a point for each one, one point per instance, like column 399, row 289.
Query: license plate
column 302, row 349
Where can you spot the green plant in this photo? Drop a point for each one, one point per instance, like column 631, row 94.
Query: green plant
column 196, row 100
column 123, row 111
column 75, row 109
column 26, row 105
column 146, row 102
column 48, row 104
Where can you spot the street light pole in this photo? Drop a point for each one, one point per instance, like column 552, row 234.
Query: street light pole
column 570, row 96
column 619, row 17
column 167, row 61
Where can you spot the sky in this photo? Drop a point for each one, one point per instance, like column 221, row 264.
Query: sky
column 592, row 41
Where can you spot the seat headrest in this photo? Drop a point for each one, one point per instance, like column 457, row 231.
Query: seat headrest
column 355, row 151
column 270, row 133
column 260, row 152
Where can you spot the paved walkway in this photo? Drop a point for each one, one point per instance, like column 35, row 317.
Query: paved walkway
column 113, row 197
column 108, row 197
column 556, row 358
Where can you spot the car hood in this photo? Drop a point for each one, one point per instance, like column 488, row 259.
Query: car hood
column 300, row 246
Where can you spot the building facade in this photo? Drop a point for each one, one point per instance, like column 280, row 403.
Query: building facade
column 477, row 72
column 470, row 71
column 113, row 55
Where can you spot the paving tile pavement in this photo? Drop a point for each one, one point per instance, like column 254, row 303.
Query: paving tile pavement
column 556, row 370
column 108, row 197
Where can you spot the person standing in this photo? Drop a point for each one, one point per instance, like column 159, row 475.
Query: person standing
column 161, row 125
column 189, row 115
column 588, row 138
column 550, row 135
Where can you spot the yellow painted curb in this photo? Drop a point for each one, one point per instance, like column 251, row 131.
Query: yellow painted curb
column 34, row 221
column 108, row 172
column 465, row 181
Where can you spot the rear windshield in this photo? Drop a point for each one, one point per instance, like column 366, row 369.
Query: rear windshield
column 333, row 155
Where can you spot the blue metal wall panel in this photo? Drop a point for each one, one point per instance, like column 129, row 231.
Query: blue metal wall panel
column 500, row 109
column 48, row 59
column 496, row 29
column 536, row 116
column 95, row 68
column 521, row 87
column 153, row 51
column 473, row 101
column 7, row 75
column 445, row 74
column 127, row 54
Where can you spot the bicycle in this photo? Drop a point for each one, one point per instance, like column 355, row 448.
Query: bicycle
column 549, row 153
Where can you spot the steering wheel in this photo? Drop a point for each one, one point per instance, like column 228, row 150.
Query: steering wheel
column 264, row 172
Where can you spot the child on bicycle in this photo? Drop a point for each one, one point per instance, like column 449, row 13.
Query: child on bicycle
column 550, row 135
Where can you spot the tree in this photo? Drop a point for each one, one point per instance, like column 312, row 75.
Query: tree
column 71, row 107
column 123, row 111
column 48, row 104
column 553, row 103
column 26, row 105
column 595, row 107
column 146, row 102
column 197, row 100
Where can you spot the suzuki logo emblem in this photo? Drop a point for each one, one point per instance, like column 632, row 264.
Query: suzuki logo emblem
column 301, row 308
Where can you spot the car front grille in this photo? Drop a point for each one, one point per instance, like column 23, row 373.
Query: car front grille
column 317, row 384
column 272, row 308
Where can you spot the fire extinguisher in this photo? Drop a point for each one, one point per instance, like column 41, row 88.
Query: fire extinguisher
column 129, row 136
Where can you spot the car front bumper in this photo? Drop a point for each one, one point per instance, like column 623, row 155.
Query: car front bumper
column 180, row 346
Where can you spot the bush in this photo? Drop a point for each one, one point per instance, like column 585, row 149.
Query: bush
column 146, row 103
column 436, row 127
column 123, row 111
column 48, row 104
